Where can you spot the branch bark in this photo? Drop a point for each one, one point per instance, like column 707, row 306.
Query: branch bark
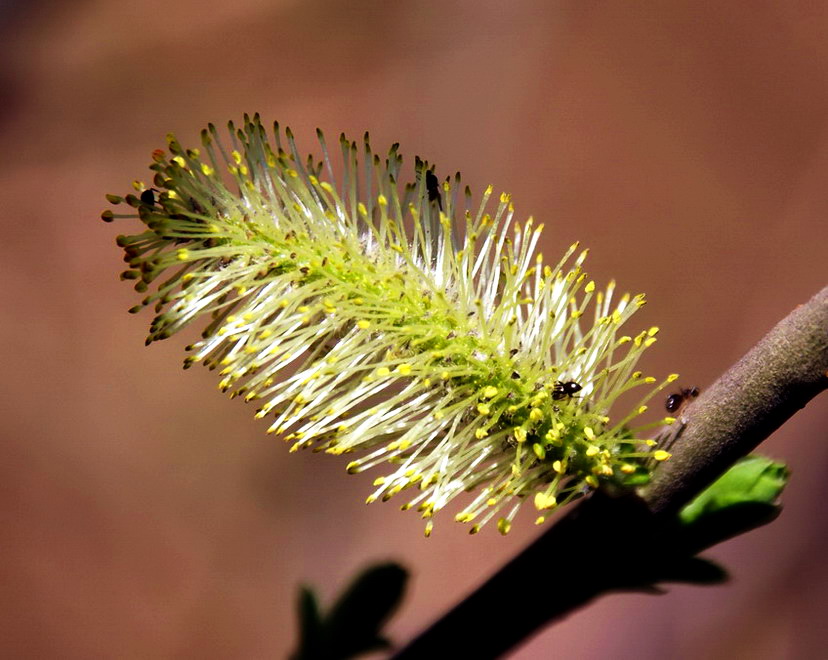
column 776, row 378
column 590, row 550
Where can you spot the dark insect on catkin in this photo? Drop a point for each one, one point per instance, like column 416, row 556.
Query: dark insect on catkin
column 565, row 390
column 433, row 188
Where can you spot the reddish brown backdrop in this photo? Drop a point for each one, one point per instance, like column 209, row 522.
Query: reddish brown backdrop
column 144, row 515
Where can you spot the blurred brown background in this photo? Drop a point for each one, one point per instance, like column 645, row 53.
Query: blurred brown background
column 144, row 515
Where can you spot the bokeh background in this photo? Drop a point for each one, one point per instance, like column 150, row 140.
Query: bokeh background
column 144, row 515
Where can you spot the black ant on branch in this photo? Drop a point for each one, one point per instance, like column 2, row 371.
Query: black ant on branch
column 675, row 401
column 673, row 404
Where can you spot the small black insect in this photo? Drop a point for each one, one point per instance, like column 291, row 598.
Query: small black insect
column 433, row 188
column 565, row 390
column 677, row 400
column 148, row 196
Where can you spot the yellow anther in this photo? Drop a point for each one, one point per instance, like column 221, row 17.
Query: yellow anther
column 489, row 392
column 589, row 433
column 544, row 501
column 404, row 369
column 363, row 324
column 483, row 409
column 661, row 455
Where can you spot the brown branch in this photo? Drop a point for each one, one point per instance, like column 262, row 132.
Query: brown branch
column 592, row 549
column 776, row 378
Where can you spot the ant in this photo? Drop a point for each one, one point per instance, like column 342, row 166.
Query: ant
column 677, row 400
column 565, row 390
column 433, row 188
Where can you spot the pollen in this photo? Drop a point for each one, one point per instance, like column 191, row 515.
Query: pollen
column 544, row 501
column 489, row 392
